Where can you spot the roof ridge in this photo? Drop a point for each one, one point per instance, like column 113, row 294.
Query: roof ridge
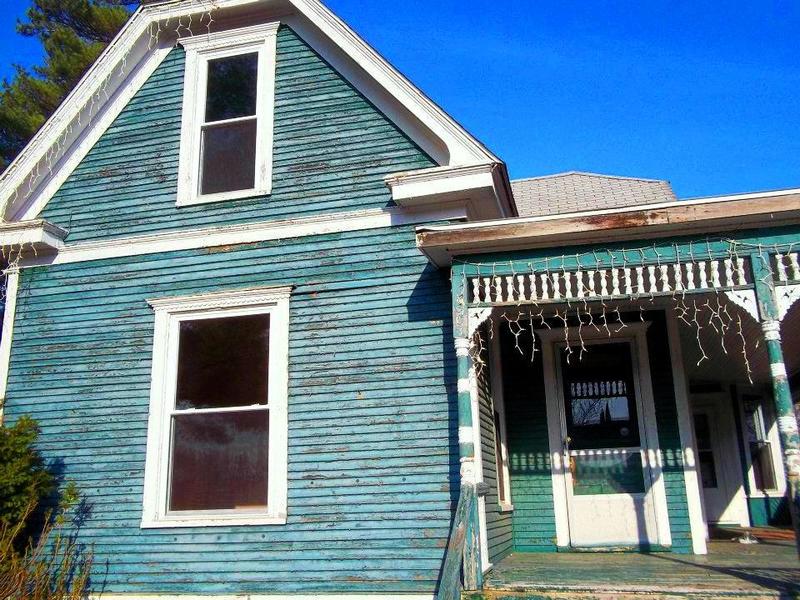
column 589, row 174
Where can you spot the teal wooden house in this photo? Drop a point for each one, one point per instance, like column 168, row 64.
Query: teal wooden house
column 295, row 334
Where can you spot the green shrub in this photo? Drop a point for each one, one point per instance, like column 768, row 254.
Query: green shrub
column 39, row 559
column 24, row 477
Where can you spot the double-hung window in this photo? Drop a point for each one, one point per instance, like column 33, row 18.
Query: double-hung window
column 216, row 450
column 228, row 112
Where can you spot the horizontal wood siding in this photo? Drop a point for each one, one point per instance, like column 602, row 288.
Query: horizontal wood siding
column 373, row 453
column 534, row 520
column 669, row 438
column 498, row 524
column 332, row 149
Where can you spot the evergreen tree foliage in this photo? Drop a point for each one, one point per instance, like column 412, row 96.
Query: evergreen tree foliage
column 73, row 33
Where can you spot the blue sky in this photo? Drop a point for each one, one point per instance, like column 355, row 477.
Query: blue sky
column 704, row 94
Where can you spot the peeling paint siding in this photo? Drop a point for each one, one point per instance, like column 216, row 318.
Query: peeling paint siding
column 373, row 452
column 498, row 524
column 534, row 522
column 668, row 434
column 331, row 151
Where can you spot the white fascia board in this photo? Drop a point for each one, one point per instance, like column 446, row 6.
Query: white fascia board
column 55, row 151
column 38, row 234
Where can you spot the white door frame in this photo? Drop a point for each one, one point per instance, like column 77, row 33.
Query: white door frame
column 725, row 447
column 636, row 333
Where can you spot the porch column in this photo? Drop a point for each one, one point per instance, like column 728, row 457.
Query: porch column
column 472, row 570
column 784, row 409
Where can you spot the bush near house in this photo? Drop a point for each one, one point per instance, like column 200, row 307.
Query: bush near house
column 38, row 560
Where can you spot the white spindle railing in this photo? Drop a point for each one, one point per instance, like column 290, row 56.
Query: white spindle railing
column 787, row 267
column 622, row 282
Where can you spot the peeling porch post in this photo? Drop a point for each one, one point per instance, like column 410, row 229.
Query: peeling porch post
column 784, row 409
column 473, row 574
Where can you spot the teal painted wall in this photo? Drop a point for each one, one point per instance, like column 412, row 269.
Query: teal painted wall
column 498, row 523
column 534, row 528
column 373, row 454
column 769, row 512
column 332, row 149
column 531, row 484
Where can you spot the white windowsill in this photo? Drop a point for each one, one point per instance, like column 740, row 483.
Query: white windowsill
column 212, row 521
column 504, row 508
column 222, row 197
column 767, row 494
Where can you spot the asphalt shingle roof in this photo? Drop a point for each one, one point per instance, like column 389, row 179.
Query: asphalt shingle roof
column 575, row 192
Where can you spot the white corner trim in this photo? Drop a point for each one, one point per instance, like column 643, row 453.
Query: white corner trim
column 247, row 233
column 12, row 288
column 169, row 313
column 314, row 596
column 697, row 522
column 745, row 299
column 128, row 61
column 260, row 39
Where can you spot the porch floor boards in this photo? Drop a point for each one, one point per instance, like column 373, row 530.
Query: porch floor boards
column 730, row 570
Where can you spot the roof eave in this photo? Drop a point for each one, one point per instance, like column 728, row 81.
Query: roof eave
column 731, row 213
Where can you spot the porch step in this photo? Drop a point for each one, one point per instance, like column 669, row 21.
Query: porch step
column 625, row 594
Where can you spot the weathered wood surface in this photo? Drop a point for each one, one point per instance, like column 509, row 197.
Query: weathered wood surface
column 373, row 453
column 451, row 580
column 731, row 570
column 332, row 149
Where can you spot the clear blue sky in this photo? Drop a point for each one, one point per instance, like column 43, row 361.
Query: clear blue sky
column 704, row 94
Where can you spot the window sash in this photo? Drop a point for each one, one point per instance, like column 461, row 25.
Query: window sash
column 256, row 39
column 169, row 313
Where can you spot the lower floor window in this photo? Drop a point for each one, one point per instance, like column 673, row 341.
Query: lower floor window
column 217, row 439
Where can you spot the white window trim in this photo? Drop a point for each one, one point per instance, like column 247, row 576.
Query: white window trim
column 261, row 39
column 169, row 312
column 772, row 436
column 498, row 404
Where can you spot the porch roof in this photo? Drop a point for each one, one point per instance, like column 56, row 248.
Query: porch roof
column 721, row 213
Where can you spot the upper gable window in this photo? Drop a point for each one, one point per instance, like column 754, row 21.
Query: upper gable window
column 228, row 108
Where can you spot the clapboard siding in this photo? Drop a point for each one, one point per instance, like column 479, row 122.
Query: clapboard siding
column 373, row 453
column 669, row 438
column 332, row 149
column 498, row 523
column 528, row 446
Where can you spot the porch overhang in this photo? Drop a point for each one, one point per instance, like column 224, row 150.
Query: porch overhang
column 726, row 213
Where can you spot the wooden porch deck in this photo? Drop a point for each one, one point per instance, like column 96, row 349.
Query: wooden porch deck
column 730, row 570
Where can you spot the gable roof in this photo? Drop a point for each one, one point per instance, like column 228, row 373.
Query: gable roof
column 59, row 146
column 575, row 191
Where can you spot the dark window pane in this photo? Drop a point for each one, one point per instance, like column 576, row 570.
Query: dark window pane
column 219, row 461
column 229, row 157
column 601, row 398
column 763, row 471
column 607, row 474
column 231, row 90
column 223, row 362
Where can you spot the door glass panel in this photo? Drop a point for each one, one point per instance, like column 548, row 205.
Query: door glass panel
column 600, row 398
column 607, row 473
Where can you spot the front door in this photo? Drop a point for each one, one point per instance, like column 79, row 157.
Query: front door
column 608, row 478
column 718, row 460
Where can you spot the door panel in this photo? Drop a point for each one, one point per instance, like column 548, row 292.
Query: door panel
column 608, row 479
